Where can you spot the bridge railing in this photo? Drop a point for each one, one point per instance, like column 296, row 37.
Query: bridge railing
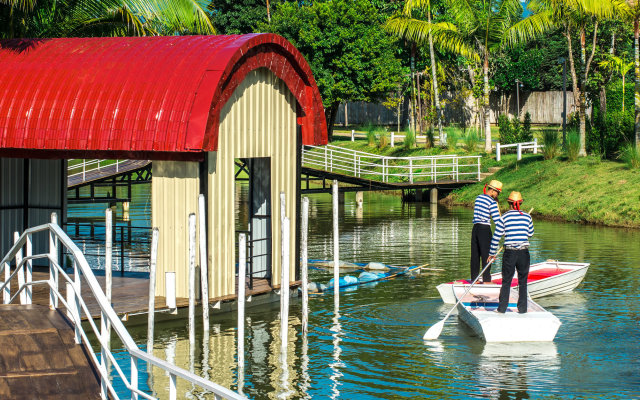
column 79, row 166
column 391, row 169
column 21, row 255
column 519, row 147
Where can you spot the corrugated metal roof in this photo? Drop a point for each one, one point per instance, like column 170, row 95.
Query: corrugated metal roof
column 143, row 97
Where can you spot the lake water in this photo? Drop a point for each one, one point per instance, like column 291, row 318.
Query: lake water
column 373, row 348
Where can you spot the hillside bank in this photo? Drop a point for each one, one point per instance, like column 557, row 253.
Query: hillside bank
column 585, row 191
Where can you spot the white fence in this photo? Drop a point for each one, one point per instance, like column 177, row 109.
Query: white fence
column 395, row 136
column 75, row 307
column 391, row 169
column 519, row 147
column 81, row 166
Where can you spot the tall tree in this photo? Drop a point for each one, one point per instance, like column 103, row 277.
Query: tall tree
column 351, row 56
column 617, row 64
column 634, row 8
column 478, row 30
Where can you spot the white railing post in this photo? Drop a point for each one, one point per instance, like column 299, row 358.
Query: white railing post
column 6, row 295
column 108, row 265
column 192, row 280
column 326, row 158
column 53, row 271
column 304, row 232
column 78, row 296
column 535, row 145
column 29, row 269
column 204, row 271
column 411, row 170
column 134, row 377
column 336, row 247
column 23, row 295
column 173, row 390
column 84, row 169
column 103, row 355
column 498, row 151
column 455, row 166
column 284, row 286
column 353, row 134
column 242, row 277
column 519, row 157
column 393, row 139
column 434, row 175
column 478, row 159
column 152, row 290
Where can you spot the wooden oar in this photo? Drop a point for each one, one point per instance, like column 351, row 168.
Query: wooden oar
column 403, row 272
column 435, row 331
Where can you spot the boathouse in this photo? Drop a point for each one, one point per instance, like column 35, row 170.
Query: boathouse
column 200, row 107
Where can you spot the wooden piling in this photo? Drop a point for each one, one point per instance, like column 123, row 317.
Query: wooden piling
column 242, row 269
column 303, row 264
column 336, row 248
column 152, row 289
column 204, row 272
column 192, row 279
column 284, row 286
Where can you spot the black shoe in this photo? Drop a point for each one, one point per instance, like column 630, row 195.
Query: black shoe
column 498, row 311
column 521, row 312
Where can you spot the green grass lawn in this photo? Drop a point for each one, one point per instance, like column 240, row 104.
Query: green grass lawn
column 588, row 190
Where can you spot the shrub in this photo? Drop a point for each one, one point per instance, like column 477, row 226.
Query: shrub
column 610, row 133
column 452, row 139
column 409, row 139
column 504, row 126
column 471, row 140
column 526, row 135
column 371, row 134
column 383, row 138
column 630, row 155
column 572, row 145
column 551, row 142
column 430, row 140
column 516, row 130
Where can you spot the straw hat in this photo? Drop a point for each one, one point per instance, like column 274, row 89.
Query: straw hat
column 496, row 185
column 515, row 197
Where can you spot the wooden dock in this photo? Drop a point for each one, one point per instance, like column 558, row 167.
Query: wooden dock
column 40, row 359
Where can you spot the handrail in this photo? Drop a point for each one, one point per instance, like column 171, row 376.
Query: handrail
column 519, row 147
column 88, row 165
column 377, row 167
column 75, row 304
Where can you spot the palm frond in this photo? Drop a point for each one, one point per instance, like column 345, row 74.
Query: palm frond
column 24, row 5
column 529, row 28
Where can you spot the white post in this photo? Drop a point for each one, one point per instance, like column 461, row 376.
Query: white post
column 393, row 139
column 303, row 263
column 411, row 170
column 78, row 287
column 192, row 280
column 353, row 134
column 134, row 377
column 108, row 267
column 53, row 272
column 519, row 151
column 6, row 295
column 170, row 289
column 498, row 151
column 23, row 295
column 242, row 270
column 103, row 355
column 29, row 269
column 284, row 286
column 336, row 248
column 152, row 290
column 478, row 168
column 204, row 272
column 535, row 145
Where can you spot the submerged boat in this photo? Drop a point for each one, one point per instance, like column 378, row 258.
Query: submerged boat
column 478, row 310
column 545, row 278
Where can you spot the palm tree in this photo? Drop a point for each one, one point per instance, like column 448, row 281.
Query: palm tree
column 617, row 64
column 634, row 12
column 479, row 30
column 575, row 15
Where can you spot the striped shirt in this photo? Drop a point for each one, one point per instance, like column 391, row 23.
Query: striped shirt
column 484, row 209
column 515, row 227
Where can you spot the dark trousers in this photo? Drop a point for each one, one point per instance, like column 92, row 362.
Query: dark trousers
column 514, row 260
column 480, row 244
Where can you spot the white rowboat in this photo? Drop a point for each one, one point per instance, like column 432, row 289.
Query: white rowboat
column 545, row 278
column 477, row 309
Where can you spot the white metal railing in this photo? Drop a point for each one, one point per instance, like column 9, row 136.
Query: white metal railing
column 76, row 307
column 394, row 136
column 82, row 166
column 383, row 168
column 519, row 147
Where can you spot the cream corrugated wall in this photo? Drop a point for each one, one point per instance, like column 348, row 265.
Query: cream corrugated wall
column 259, row 120
column 174, row 195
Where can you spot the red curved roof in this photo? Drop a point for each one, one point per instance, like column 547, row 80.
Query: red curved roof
column 146, row 97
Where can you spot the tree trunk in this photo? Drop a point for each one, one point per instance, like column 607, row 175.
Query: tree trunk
column 434, row 80
column 636, row 47
column 413, row 87
column 487, row 123
column 268, row 12
column 330, row 114
column 583, row 98
column 420, row 116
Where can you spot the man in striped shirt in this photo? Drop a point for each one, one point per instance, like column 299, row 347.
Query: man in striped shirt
column 485, row 209
column 517, row 227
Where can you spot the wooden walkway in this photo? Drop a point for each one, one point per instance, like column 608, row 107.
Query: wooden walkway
column 104, row 172
column 40, row 359
column 131, row 295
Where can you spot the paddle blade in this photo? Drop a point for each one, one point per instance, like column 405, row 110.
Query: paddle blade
column 433, row 332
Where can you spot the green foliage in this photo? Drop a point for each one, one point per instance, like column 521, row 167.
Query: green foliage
column 506, row 133
column 610, row 132
column 430, row 140
column 383, row 138
column 527, row 134
column 631, row 156
column 351, row 56
column 452, row 138
column 516, row 129
column 238, row 17
column 572, row 147
column 471, row 140
column 409, row 139
column 551, row 143
column 370, row 130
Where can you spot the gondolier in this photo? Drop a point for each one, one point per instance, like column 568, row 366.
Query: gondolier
column 485, row 209
column 517, row 227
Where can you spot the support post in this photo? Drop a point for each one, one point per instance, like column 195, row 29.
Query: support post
column 353, row 133
column 535, row 145
column 433, row 194
column 303, row 263
column 393, row 139
column 284, row 286
column 336, row 248
column 108, row 266
column 53, row 272
column 519, row 156
column 29, row 270
column 23, row 294
column 242, row 269
column 498, row 151
column 192, row 280
column 359, row 198
column 204, row 271
column 152, row 290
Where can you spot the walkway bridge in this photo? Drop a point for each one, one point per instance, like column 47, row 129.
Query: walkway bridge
column 366, row 171
column 47, row 351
